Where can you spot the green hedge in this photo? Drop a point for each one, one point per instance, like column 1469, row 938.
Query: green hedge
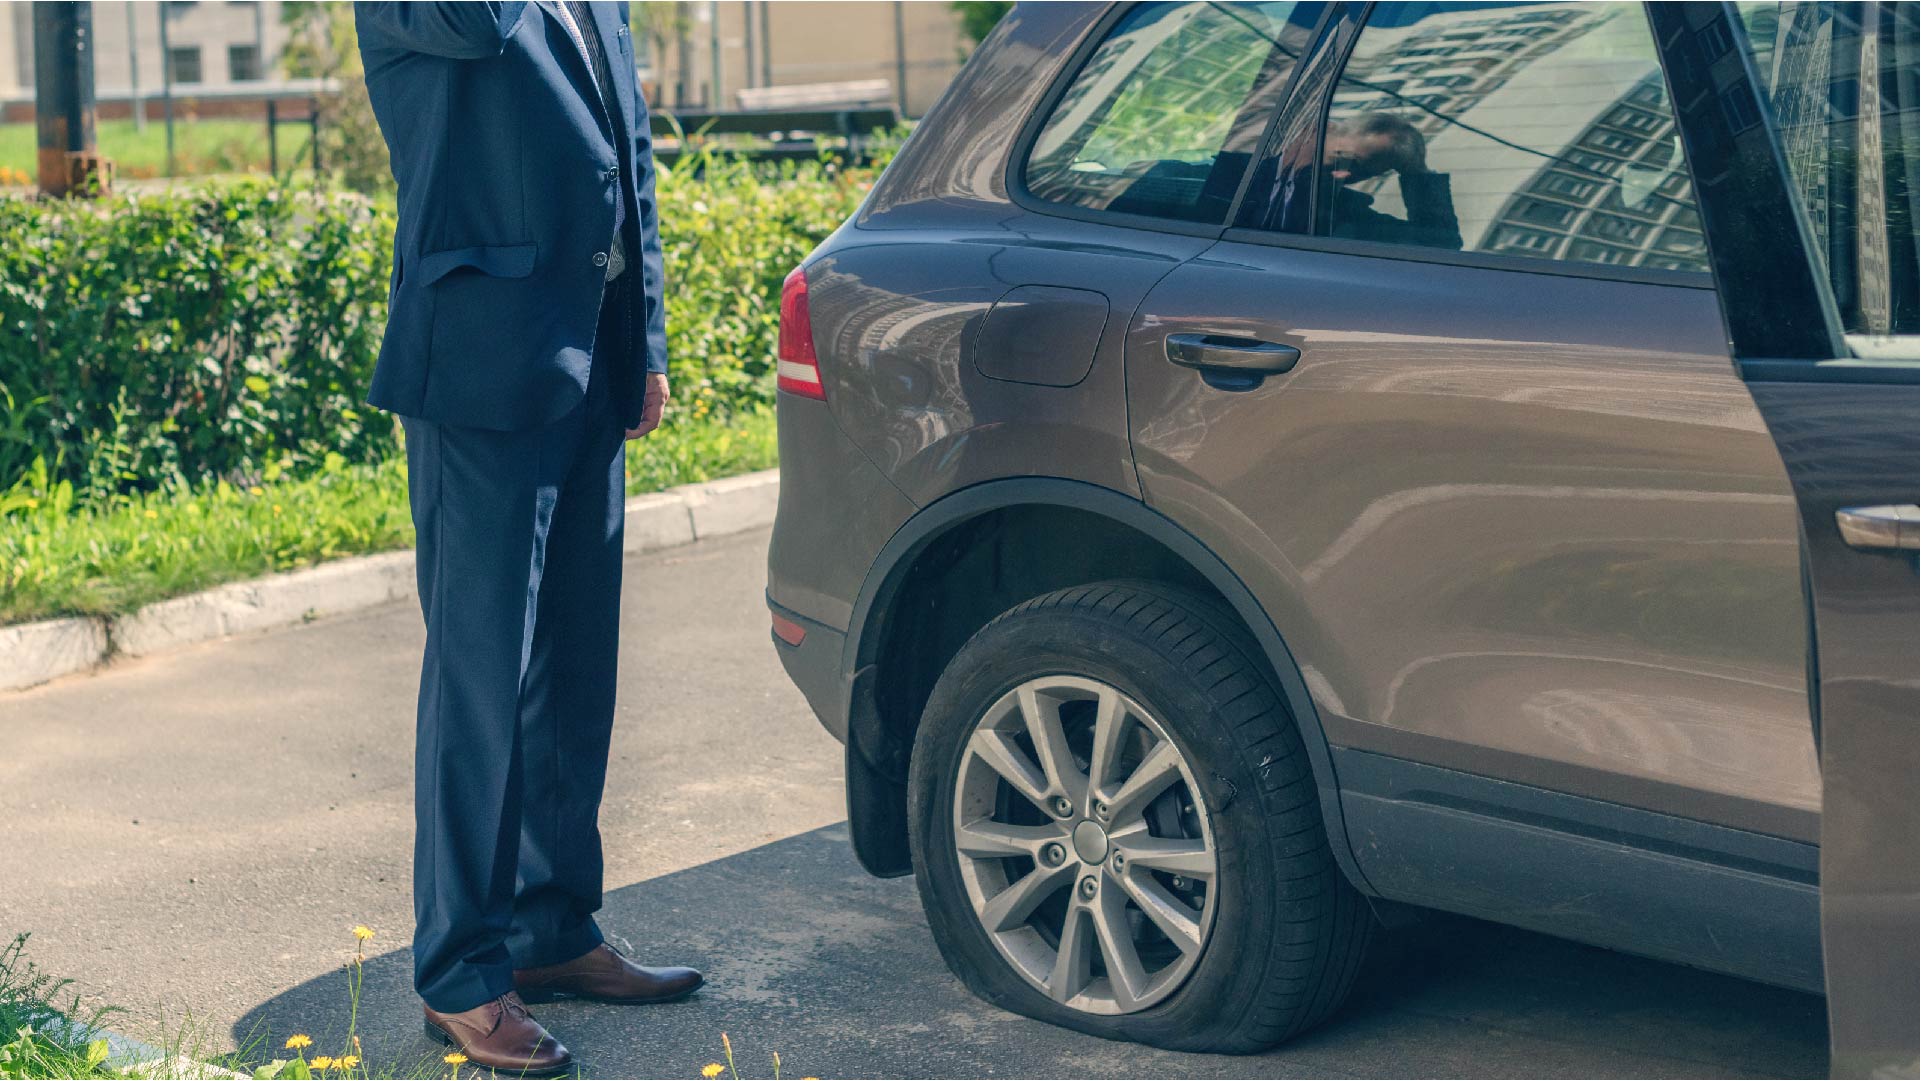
column 157, row 339
column 227, row 333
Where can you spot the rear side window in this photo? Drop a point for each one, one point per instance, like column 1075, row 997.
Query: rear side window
column 1537, row 130
column 1164, row 117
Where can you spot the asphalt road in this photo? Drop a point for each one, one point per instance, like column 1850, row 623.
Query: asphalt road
column 192, row 837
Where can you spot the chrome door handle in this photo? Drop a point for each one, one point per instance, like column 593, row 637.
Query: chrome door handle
column 1246, row 356
column 1888, row 526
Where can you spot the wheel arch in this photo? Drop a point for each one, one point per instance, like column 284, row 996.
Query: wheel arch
column 882, row 712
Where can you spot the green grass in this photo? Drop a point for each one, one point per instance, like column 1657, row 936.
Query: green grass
column 56, row 560
column 37, row 1038
column 201, row 147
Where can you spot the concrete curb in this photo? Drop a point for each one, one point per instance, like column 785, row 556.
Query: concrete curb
column 33, row 653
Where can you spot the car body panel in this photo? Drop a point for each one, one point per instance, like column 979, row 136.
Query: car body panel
column 1488, row 510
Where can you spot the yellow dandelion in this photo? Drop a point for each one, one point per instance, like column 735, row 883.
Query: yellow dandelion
column 453, row 1059
column 299, row 1040
column 256, row 490
column 711, row 1070
column 363, row 932
column 346, row 1062
column 153, row 514
column 321, row 1062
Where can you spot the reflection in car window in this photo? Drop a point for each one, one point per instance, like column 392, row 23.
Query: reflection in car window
column 1540, row 130
column 1163, row 119
column 1850, row 144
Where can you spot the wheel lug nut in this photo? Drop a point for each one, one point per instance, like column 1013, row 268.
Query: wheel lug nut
column 1062, row 807
column 1100, row 810
column 1089, row 888
column 1120, row 862
column 1053, row 853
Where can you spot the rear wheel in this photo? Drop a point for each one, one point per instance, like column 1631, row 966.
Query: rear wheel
column 1115, row 827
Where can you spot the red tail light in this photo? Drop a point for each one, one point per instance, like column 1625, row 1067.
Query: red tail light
column 799, row 371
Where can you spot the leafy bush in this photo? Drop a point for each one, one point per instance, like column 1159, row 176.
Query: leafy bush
column 167, row 338
column 228, row 333
column 730, row 231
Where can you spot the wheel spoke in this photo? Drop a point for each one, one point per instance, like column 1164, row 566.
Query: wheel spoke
column 1043, row 716
column 1124, row 970
column 1185, row 856
column 985, row 838
column 1074, row 965
column 1177, row 921
column 1003, row 757
column 1110, row 724
column 1161, row 767
column 1011, row 906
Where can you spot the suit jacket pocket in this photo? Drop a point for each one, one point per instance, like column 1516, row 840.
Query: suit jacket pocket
column 498, row 261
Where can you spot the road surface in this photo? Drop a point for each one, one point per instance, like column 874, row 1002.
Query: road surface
column 192, row 837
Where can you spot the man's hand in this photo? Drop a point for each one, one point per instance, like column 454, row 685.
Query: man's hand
column 650, row 410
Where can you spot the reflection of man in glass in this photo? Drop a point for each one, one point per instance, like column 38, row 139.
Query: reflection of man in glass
column 1369, row 145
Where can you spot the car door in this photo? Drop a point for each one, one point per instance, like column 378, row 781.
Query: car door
column 1474, row 441
column 1800, row 124
column 1516, row 510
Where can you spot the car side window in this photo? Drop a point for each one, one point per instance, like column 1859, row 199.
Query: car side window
column 1538, row 130
column 1163, row 118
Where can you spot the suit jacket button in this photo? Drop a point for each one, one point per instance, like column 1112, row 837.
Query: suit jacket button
column 600, row 258
column 613, row 173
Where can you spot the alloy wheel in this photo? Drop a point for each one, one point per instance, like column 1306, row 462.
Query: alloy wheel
column 1084, row 845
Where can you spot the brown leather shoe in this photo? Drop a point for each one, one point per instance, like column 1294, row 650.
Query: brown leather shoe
column 502, row 1036
column 603, row 975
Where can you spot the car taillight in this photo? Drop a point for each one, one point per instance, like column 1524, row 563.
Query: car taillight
column 799, row 371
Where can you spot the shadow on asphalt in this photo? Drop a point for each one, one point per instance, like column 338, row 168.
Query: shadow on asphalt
column 808, row 956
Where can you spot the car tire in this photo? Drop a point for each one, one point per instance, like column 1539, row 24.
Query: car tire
column 1287, row 931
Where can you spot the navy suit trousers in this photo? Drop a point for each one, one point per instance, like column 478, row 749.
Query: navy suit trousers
column 519, row 559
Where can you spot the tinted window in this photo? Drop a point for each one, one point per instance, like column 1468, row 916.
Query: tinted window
column 1163, row 118
column 1841, row 80
column 1541, row 130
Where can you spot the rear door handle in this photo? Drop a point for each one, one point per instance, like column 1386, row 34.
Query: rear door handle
column 1219, row 352
column 1880, row 527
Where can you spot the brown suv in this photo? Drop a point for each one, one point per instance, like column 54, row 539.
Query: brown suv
column 1250, row 465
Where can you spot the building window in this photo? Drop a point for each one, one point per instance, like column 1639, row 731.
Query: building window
column 243, row 63
column 183, row 64
column 1570, row 133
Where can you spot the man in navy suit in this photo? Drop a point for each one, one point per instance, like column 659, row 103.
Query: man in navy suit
column 525, row 344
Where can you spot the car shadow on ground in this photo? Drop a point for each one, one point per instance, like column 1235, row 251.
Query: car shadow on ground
column 808, row 956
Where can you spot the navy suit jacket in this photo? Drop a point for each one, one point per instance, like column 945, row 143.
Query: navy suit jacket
column 507, row 172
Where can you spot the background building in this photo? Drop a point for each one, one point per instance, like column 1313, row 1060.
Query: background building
column 223, row 56
column 703, row 53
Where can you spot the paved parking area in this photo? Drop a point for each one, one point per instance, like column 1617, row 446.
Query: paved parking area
column 192, row 836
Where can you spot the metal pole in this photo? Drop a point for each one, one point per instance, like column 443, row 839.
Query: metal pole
column 166, row 82
column 62, row 92
column 683, row 61
column 713, row 48
column 766, row 48
column 273, row 137
column 900, row 55
column 133, row 71
column 313, row 133
column 747, row 21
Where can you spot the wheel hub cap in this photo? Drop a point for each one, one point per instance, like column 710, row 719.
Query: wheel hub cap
column 1090, row 842
column 1066, row 764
